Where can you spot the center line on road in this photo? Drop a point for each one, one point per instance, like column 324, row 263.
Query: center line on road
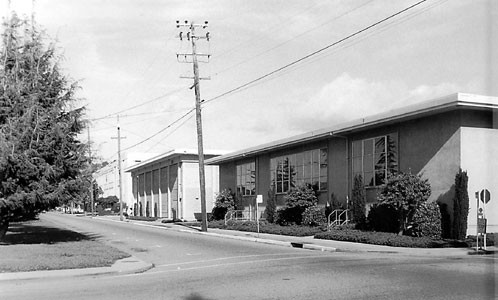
column 224, row 265
column 223, row 258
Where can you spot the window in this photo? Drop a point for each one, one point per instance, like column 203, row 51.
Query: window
column 308, row 167
column 246, row 179
column 375, row 158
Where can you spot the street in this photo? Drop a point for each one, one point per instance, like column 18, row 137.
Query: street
column 190, row 266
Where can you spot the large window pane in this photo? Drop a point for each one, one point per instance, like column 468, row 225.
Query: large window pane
column 373, row 158
column 246, row 179
column 357, row 148
column 368, row 146
column 368, row 163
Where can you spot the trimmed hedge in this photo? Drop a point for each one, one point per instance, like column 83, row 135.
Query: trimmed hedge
column 386, row 239
column 264, row 227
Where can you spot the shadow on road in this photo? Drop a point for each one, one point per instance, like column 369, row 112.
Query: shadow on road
column 36, row 232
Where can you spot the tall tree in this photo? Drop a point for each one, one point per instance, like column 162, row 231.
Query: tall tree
column 40, row 156
column 460, row 205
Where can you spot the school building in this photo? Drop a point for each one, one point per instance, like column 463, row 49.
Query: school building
column 433, row 138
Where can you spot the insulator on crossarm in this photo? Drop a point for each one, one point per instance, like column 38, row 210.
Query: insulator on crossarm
column 181, row 35
column 188, row 36
column 207, row 36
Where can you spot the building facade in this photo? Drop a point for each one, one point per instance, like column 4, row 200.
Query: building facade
column 107, row 177
column 434, row 139
column 167, row 185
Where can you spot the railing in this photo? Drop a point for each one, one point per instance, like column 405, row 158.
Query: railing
column 338, row 217
column 241, row 215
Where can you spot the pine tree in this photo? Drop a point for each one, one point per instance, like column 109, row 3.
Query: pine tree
column 40, row 156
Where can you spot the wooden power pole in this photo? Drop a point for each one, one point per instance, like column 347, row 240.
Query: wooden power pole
column 190, row 35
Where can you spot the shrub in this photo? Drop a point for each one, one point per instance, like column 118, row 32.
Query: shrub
column 296, row 201
column 383, row 218
column 460, row 206
column 271, row 206
column 380, row 238
column 358, row 199
column 224, row 202
column 404, row 192
column 283, row 215
column 265, row 227
column 426, row 221
column 314, row 216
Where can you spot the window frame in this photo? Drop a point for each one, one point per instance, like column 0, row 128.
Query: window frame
column 372, row 157
column 245, row 174
column 299, row 168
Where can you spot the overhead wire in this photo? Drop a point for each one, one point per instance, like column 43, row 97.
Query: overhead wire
column 293, row 38
column 160, row 131
column 278, row 70
column 140, row 104
column 289, row 65
column 357, row 40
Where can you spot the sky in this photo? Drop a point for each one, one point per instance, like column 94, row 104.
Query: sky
column 123, row 54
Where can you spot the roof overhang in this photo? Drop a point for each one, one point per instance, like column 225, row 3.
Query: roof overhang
column 419, row 110
column 170, row 155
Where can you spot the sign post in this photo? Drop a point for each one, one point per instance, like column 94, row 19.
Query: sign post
column 259, row 199
column 485, row 197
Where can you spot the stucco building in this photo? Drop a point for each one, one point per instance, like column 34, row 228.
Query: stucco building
column 167, row 185
column 107, row 177
column 433, row 138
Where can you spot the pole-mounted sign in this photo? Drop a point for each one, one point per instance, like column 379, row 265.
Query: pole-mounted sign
column 485, row 196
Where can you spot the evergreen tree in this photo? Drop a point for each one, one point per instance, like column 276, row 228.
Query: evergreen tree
column 40, row 156
column 359, row 200
column 460, row 205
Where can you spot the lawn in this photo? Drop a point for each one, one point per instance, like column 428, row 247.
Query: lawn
column 36, row 245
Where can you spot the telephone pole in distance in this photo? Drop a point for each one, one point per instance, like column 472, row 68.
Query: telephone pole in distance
column 120, row 175
column 190, row 35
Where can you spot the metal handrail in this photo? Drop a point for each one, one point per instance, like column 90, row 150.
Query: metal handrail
column 341, row 218
column 241, row 215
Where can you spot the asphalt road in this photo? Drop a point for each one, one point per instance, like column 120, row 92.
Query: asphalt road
column 199, row 267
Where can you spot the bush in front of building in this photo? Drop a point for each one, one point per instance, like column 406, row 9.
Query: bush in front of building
column 358, row 200
column 382, row 217
column 460, row 206
column 426, row 221
column 404, row 192
column 314, row 216
column 271, row 206
column 382, row 238
column 296, row 202
column 225, row 201
column 265, row 227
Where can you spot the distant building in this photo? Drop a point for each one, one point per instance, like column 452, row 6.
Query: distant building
column 433, row 138
column 167, row 185
column 108, row 177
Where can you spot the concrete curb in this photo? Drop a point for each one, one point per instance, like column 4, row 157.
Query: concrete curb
column 129, row 265
column 304, row 245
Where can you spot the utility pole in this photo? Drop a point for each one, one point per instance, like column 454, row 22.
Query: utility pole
column 91, row 169
column 120, row 173
column 191, row 36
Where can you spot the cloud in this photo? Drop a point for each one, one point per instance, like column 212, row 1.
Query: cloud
column 347, row 98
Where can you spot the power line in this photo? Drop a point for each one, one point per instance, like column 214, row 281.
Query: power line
column 160, row 131
column 141, row 104
column 293, row 38
column 245, row 85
